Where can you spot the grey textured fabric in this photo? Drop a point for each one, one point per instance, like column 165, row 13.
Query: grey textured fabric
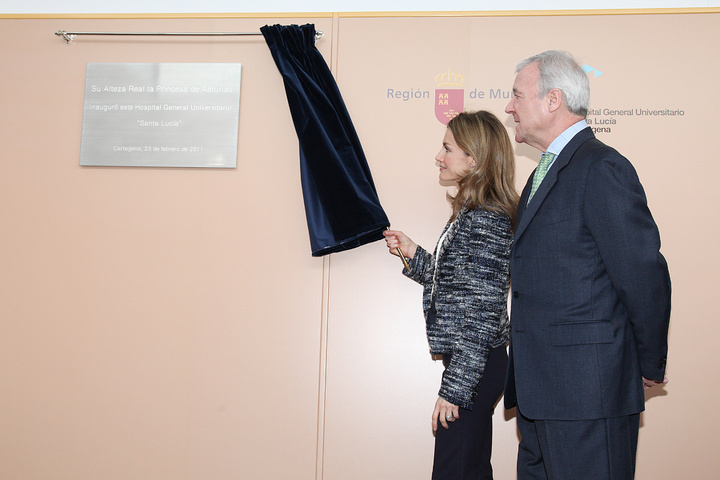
column 471, row 288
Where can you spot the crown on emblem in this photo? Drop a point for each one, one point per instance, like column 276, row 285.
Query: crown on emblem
column 449, row 79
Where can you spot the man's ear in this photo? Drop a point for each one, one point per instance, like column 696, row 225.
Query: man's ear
column 554, row 99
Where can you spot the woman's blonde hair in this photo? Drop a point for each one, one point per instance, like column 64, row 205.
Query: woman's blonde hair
column 490, row 184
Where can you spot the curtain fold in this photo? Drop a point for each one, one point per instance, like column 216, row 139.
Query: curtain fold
column 342, row 207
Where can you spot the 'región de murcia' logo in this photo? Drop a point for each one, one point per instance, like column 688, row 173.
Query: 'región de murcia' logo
column 450, row 93
column 449, row 96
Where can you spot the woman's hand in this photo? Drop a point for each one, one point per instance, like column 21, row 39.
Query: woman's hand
column 445, row 412
column 396, row 239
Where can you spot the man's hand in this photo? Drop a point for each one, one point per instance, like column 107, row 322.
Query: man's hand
column 651, row 383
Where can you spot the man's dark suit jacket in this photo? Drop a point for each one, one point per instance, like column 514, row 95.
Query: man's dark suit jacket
column 591, row 291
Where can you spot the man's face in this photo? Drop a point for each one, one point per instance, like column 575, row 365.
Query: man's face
column 527, row 109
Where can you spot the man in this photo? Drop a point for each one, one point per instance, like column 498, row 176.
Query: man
column 591, row 291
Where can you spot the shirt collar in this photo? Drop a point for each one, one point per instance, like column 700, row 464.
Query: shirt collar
column 564, row 138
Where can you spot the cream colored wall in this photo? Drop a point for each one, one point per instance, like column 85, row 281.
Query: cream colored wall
column 647, row 61
column 171, row 323
column 156, row 323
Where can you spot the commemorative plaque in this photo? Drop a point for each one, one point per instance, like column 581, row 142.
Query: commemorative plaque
column 161, row 115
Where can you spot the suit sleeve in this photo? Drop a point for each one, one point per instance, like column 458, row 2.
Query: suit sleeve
column 628, row 241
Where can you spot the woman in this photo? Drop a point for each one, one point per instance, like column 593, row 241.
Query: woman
column 466, row 283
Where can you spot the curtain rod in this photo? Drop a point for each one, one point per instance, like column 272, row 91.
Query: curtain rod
column 69, row 36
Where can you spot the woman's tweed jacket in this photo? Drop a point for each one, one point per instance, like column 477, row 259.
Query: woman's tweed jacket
column 471, row 288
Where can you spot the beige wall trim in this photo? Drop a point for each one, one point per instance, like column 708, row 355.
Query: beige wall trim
column 325, row 313
column 322, row 371
column 489, row 13
column 133, row 16
column 539, row 13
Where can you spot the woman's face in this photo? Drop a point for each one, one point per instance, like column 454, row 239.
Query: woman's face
column 453, row 162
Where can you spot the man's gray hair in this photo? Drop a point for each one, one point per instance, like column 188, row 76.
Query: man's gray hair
column 560, row 70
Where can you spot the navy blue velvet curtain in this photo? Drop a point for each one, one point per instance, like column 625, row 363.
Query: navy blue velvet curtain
column 341, row 204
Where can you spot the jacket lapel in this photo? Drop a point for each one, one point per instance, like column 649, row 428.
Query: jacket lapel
column 451, row 229
column 527, row 212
